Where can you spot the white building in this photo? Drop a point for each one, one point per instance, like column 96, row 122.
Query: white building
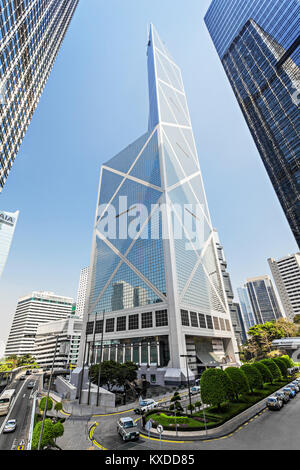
column 68, row 332
column 286, row 274
column 8, row 222
column 81, row 293
column 31, row 311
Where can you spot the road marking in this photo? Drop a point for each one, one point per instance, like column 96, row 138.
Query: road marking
column 11, row 408
column 93, row 439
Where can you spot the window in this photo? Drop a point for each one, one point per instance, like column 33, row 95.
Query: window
column 194, row 319
column 121, row 324
column 153, row 379
column 110, row 325
column 216, row 323
column 133, row 323
column 161, row 318
column 185, row 321
column 147, row 321
column 222, row 324
column 202, row 321
column 99, row 326
column 209, row 322
column 227, row 325
column 89, row 327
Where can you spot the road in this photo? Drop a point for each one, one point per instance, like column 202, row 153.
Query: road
column 21, row 411
column 278, row 430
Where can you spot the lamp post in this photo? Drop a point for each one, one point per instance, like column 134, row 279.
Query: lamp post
column 99, row 371
column 188, row 378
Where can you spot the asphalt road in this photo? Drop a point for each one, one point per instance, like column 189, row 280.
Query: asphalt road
column 21, row 411
column 272, row 430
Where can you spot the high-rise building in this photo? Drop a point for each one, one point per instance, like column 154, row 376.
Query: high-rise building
column 68, row 332
column 263, row 299
column 33, row 310
column 258, row 44
column 246, row 308
column 31, row 33
column 286, row 274
column 81, row 293
column 8, row 221
column 234, row 307
column 155, row 274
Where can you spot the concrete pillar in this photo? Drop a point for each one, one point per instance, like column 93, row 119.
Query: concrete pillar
column 124, row 353
column 131, row 352
column 116, row 352
column 158, row 353
column 140, row 354
column 149, row 354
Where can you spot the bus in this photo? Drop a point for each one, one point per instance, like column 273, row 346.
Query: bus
column 6, row 400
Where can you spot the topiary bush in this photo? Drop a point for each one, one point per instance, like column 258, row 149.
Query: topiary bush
column 265, row 371
column 216, row 387
column 254, row 377
column 42, row 404
column 239, row 380
column 274, row 369
column 282, row 365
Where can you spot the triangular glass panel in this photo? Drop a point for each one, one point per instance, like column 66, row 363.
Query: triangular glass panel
column 168, row 71
column 147, row 168
column 182, row 150
column 124, row 160
column 109, row 185
column 210, row 263
column 126, row 291
column 189, row 138
column 170, row 106
column 197, row 295
column 174, row 172
column 198, row 190
column 186, row 258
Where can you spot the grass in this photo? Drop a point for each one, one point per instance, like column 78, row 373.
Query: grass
column 183, row 422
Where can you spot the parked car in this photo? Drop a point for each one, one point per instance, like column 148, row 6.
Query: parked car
column 28, row 372
column 296, row 384
column 195, row 389
column 282, row 396
column 31, row 385
column 294, row 387
column 273, row 403
column 146, row 405
column 10, row 426
column 128, row 429
column 22, row 377
column 290, row 392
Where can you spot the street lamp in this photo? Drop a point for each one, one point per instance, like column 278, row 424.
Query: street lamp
column 188, row 378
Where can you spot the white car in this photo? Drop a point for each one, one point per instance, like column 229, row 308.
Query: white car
column 195, row 389
column 146, row 405
column 128, row 429
column 10, row 426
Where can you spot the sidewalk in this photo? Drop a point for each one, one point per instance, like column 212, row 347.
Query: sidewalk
column 75, row 435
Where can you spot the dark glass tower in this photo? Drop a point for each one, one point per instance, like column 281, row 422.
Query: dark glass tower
column 31, row 33
column 258, row 44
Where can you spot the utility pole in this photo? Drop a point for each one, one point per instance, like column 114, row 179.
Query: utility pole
column 99, row 371
column 48, row 392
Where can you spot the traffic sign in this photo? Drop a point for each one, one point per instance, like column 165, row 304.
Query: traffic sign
column 160, row 429
column 148, row 425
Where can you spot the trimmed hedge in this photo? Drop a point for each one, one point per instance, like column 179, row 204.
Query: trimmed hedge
column 265, row 371
column 239, row 380
column 282, row 365
column 273, row 367
column 216, row 387
column 253, row 375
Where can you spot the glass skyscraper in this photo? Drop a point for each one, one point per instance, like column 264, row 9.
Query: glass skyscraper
column 155, row 283
column 263, row 299
column 31, row 33
column 246, row 308
column 258, row 44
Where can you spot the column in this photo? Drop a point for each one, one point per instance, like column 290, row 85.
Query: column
column 158, row 353
column 123, row 353
column 131, row 352
column 116, row 353
column 149, row 354
column 140, row 354
column 109, row 352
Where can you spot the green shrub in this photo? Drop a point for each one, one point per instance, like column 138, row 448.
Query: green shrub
column 58, row 406
column 239, row 380
column 265, row 371
column 43, row 404
column 288, row 360
column 47, row 437
column 58, row 430
column 282, row 365
column 273, row 367
column 254, row 377
column 216, row 387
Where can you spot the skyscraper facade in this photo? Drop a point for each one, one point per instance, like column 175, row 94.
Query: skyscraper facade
column 8, row 221
column 263, row 299
column 81, row 293
column 246, row 308
column 258, row 44
column 33, row 310
column 286, row 274
column 155, row 285
column 31, row 33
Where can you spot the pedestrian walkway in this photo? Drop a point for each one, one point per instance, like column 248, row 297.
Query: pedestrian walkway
column 76, row 435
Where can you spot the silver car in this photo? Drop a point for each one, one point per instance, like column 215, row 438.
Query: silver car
column 10, row 426
column 128, row 429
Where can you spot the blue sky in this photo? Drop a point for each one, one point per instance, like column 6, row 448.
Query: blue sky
column 96, row 103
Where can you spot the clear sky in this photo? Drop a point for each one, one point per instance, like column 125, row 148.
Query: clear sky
column 96, row 103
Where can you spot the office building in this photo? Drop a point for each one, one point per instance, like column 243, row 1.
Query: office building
column 31, row 33
column 263, row 299
column 33, row 310
column 286, row 274
column 81, row 293
column 8, row 221
column 246, row 308
column 258, row 44
column 156, row 286
column 68, row 332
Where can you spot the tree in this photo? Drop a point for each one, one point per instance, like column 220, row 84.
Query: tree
column 198, row 404
column 282, row 365
column 297, row 319
column 42, row 404
column 253, row 375
column 289, row 362
column 239, row 380
column 127, row 372
column 216, row 387
column 190, row 408
column 274, row 369
column 58, row 407
column 47, row 437
column 265, row 372
column 58, row 430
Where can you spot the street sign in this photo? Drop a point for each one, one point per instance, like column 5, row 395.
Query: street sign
column 148, row 425
column 160, row 429
column 20, row 447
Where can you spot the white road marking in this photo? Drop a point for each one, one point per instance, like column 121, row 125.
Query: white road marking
column 12, row 407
